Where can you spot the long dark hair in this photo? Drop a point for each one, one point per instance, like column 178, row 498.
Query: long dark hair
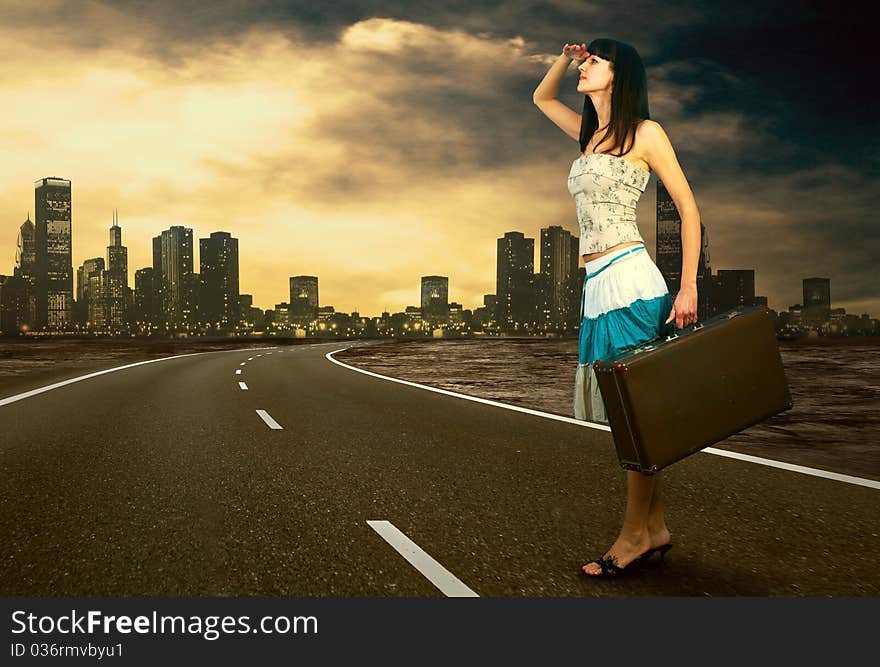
column 629, row 96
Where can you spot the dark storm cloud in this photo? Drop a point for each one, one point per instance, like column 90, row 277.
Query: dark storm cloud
column 809, row 65
column 177, row 25
column 805, row 64
column 768, row 105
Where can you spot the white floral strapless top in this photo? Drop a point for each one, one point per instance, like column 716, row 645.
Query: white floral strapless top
column 606, row 189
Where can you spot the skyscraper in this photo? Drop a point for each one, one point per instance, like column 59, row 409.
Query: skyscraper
column 559, row 263
column 117, row 277
column 435, row 300
column 515, row 264
column 669, row 256
column 98, row 299
column 52, row 250
column 158, row 293
column 705, row 282
column 817, row 301
column 145, row 306
column 304, row 301
column 173, row 249
column 26, row 270
column 84, row 307
column 218, row 277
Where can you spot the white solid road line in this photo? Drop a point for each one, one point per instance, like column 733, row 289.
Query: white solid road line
column 438, row 575
column 516, row 408
column 63, row 383
column 839, row 477
column 34, row 392
column 792, row 467
column 271, row 423
column 238, row 372
column 242, row 385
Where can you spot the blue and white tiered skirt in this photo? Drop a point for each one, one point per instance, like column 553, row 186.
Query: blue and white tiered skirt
column 624, row 303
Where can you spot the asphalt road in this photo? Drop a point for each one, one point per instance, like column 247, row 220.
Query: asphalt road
column 164, row 480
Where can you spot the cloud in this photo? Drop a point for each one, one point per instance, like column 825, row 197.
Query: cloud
column 376, row 152
column 328, row 160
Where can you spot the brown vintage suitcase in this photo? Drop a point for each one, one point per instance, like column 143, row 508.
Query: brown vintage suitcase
column 675, row 395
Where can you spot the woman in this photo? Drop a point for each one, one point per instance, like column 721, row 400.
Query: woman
column 625, row 300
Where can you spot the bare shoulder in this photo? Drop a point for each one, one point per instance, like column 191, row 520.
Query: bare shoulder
column 654, row 144
column 644, row 136
column 657, row 150
column 649, row 135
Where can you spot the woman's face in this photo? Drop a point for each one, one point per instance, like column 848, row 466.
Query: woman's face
column 595, row 74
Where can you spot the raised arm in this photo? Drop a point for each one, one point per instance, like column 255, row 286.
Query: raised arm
column 545, row 94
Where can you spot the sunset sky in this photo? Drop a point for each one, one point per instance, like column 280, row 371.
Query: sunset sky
column 372, row 143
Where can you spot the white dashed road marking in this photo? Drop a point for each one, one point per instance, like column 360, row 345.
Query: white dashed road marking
column 238, row 372
column 271, row 423
column 438, row 575
column 243, row 386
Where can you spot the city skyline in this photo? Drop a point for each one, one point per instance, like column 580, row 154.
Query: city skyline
column 220, row 248
column 246, row 124
column 664, row 215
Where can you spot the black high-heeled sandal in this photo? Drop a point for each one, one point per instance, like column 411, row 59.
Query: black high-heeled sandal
column 662, row 549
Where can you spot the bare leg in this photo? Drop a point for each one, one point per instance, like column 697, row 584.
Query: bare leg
column 634, row 538
column 656, row 521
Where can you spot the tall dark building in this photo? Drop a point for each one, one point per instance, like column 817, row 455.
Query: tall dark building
column 195, row 299
column 817, row 300
column 303, row 307
column 158, row 294
column 146, row 313
column 669, row 257
column 26, row 270
column 218, row 277
column 84, row 307
column 734, row 288
column 435, row 299
column 173, row 251
column 705, row 281
column 117, row 278
column 54, row 259
column 559, row 264
column 98, row 299
column 514, row 278
column 25, row 250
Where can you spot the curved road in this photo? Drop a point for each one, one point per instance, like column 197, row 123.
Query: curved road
column 163, row 479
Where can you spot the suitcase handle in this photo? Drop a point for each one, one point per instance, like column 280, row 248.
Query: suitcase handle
column 696, row 325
